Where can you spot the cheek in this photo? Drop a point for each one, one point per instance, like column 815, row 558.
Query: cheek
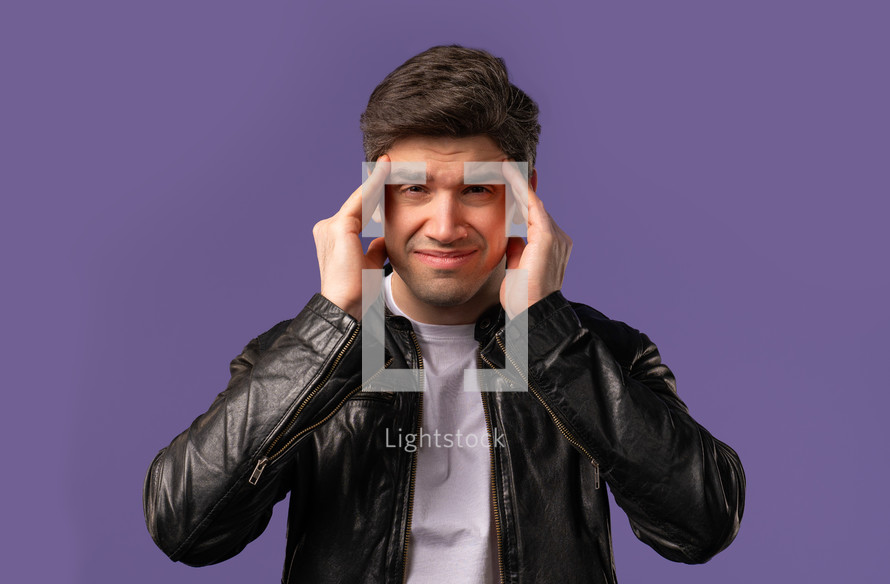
column 500, row 249
column 391, row 221
column 494, row 229
column 397, row 231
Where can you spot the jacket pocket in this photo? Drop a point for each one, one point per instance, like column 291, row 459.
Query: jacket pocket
column 374, row 392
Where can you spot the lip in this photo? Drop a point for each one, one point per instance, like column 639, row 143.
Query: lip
column 444, row 259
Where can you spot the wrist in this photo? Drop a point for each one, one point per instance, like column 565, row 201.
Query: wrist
column 354, row 309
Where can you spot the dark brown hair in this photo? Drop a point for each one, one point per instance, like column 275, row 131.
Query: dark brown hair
column 456, row 92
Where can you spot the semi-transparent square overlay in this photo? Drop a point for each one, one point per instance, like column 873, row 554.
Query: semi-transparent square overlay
column 375, row 376
column 514, row 175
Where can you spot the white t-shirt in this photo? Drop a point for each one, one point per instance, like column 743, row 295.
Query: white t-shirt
column 452, row 537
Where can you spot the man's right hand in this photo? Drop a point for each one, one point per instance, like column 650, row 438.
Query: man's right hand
column 339, row 246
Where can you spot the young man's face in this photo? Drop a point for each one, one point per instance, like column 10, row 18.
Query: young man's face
column 445, row 239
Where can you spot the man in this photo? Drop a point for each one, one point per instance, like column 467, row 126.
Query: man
column 375, row 495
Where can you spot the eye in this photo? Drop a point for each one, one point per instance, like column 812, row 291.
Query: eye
column 412, row 190
column 479, row 192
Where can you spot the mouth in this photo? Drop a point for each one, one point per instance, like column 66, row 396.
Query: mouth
column 444, row 259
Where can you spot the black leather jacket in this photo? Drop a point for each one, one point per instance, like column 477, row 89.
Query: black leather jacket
column 600, row 409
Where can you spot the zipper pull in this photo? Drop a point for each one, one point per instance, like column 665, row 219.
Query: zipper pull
column 260, row 465
column 596, row 474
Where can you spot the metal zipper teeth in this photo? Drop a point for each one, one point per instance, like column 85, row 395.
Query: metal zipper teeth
column 343, row 401
column 335, row 410
column 261, row 465
column 562, row 428
column 269, row 456
column 413, row 464
column 494, row 495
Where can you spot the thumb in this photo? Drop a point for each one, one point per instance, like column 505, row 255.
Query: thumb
column 515, row 247
column 376, row 253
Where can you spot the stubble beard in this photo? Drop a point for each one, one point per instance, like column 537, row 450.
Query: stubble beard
column 444, row 289
column 438, row 291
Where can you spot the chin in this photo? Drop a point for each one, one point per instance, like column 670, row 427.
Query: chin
column 442, row 291
column 442, row 296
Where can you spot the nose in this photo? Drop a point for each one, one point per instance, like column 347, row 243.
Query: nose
column 446, row 221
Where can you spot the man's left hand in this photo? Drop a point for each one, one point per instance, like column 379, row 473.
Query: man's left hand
column 546, row 254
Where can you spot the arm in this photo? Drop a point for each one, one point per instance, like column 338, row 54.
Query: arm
column 604, row 382
column 211, row 492
column 682, row 489
column 200, row 506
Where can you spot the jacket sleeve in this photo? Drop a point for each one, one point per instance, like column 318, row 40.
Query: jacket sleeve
column 201, row 506
column 682, row 489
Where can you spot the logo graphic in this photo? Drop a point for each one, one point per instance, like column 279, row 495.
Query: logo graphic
column 514, row 339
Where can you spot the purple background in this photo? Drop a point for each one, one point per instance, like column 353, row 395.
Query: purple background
column 721, row 169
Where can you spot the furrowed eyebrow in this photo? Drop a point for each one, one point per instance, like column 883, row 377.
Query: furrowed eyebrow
column 486, row 178
column 403, row 178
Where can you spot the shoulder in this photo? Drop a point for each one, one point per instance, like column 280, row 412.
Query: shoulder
column 265, row 340
column 632, row 349
column 318, row 318
column 624, row 341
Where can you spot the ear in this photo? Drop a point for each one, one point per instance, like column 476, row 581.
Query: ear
column 533, row 180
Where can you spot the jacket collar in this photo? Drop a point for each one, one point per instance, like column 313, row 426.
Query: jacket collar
column 487, row 325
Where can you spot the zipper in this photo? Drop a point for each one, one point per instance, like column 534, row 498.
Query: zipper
column 494, row 492
column 559, row 424
column 271, row 453
column 413, row 463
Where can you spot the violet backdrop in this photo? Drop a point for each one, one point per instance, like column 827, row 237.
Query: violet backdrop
column 721, row 168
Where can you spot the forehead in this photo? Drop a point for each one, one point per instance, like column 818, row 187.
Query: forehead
column 443, row 159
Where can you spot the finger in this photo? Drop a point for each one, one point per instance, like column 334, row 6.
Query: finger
column 362, row 202
column 515, row 247
column 374, row 188
column 377, row 252
column 518, row 184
